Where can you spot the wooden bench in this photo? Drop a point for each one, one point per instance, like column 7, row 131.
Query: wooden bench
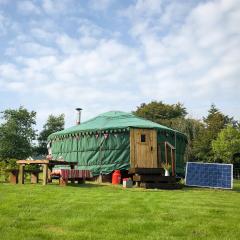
column 72, row 175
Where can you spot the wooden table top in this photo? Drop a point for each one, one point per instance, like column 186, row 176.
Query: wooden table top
column 46, row 161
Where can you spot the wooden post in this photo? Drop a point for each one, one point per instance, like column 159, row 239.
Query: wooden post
column 99, row 179
column 159, row 160
column 45, row 174
column 49, row 175
column 166, row 153
column 21, row 173
column 173, row 163
column 72, row 167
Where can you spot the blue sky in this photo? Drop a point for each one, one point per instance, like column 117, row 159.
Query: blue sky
column 104, row 55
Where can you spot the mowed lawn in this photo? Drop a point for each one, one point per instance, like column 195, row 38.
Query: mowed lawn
column 92, row 211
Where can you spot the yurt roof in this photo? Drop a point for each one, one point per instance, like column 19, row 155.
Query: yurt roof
column 113, row 121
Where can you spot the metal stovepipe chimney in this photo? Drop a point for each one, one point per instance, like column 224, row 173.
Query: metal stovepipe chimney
column 79, row 110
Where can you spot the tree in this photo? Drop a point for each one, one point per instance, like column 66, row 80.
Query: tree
column 227, row 145
column 17, row 133
column 162, row 113
column 53, row 124
column 214, row 123
column 191, row 128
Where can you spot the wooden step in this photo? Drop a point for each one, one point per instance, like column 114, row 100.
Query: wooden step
column 154, row 178
column 147, row 171
column 161, row 185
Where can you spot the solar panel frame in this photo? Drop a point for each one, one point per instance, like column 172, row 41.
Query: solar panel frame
column 220, row 176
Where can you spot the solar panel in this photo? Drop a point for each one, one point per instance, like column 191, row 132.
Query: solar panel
column 214, row 175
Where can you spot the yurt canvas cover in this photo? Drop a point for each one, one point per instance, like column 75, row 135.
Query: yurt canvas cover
column 102, row 144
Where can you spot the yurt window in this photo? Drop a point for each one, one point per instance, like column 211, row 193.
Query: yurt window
column 143, row 138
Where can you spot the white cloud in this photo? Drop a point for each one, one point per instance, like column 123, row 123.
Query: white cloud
column 90, row 77
column 42, row 34
column 2, row 24
column 191, row 58
column 51, row 6
column 100, row 5
column 8, row 71
column 30, row 48
column 88, row 28
column 28, row 7
column 6, row 24
column 178, row 52
column 59, row 7
column 144, row 9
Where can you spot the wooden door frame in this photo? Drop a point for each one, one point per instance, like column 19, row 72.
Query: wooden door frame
column 167, row 146
column 133, row 142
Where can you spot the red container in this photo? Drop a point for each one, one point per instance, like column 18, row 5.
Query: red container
column 116, row 177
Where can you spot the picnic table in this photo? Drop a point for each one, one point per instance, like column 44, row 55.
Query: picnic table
column 13, row 175
column 47, row 167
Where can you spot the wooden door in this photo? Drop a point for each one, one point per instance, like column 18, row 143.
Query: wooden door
column 143, row 144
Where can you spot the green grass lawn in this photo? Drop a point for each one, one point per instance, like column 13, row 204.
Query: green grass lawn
column 106, row 212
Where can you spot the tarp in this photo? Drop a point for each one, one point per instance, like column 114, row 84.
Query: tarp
column 102, row 144
column 100, row 153
column 110, row 122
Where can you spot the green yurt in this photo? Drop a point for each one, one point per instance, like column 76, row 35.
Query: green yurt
column 119, row 140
